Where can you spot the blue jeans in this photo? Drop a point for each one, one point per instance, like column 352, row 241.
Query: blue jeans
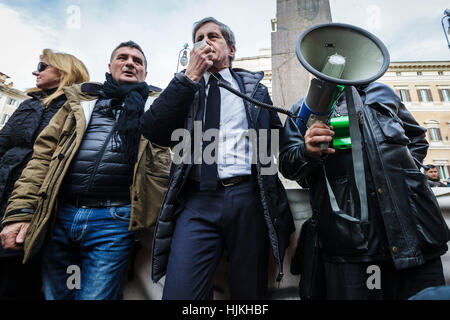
column 88, row 247
column 433, row 293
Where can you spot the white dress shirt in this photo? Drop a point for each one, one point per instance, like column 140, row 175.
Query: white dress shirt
column 235, row 147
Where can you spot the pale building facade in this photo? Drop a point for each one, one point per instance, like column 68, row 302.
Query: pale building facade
column 10, row 99
column 424, row 87
column 261, row 62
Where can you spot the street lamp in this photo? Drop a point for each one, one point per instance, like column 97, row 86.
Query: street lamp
column 446, row 32
column 184, row 58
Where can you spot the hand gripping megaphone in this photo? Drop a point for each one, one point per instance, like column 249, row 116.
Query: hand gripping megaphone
column 338, row 55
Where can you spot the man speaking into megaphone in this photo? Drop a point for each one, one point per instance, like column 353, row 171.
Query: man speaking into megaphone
column 379, row 229
column 228, row 204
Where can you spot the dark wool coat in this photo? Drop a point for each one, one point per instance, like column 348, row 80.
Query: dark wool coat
column 176, row 108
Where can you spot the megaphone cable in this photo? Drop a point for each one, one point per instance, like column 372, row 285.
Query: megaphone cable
column 254, row 101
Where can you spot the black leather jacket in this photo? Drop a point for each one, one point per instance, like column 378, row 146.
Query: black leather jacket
column 394, row 144
column 176, row 108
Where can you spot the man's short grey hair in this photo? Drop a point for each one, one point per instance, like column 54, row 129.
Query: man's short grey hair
column 130, row 44
column 226, row 31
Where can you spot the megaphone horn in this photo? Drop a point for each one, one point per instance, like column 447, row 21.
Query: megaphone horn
column 342, row 54
column 338, row 55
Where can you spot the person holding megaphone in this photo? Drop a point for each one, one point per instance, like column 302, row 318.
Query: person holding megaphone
column 379, row 229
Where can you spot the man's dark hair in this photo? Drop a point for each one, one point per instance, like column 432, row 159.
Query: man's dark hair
column 431, row 166
column 130, row 44
column 226, row 31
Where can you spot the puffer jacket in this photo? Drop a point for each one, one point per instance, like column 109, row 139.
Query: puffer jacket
column 395, row 146
column 176, row 108
column 34, row 198
column 16, row 145
column 100, row 167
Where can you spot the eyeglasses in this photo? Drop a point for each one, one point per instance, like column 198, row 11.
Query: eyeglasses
column 42, row 66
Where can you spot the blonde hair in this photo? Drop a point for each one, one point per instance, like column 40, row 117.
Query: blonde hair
column 71, row 69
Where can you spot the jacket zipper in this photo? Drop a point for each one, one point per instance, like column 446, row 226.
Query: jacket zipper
column 99, row 158
column 272, row 227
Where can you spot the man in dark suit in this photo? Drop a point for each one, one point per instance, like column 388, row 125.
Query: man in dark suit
column 229, row 199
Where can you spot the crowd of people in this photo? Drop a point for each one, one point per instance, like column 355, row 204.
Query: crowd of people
column 95, row 164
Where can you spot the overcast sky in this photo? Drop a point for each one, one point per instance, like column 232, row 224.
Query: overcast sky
column 90, row 29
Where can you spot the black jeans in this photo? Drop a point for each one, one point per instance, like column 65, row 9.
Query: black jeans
column 349, row 281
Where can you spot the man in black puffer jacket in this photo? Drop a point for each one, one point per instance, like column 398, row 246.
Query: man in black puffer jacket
column 233, row 203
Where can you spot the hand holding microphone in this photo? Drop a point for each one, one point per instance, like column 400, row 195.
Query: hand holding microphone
column 200, row 60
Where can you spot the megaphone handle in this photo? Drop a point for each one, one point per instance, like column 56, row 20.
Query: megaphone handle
column 324, row 146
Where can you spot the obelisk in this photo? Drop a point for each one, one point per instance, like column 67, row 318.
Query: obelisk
column 289, row 79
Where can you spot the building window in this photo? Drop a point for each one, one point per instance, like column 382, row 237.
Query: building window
column 5, row 118
column 11, row 101
column 444, row 95
column 442, row 172
column 435, row 134
column 398, row 74
column 419, row 73
column 440, row 73
column 424, row 95
column 404, row 95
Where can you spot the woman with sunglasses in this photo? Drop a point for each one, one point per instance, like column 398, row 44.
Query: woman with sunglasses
column 17, row 137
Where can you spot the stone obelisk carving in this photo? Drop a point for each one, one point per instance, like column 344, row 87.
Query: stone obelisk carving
column 289, row 79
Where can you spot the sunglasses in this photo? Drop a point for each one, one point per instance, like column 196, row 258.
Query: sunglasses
column 42, row 66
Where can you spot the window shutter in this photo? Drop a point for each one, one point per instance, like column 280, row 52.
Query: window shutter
column 438, row 131
column 418, row 94
column 430, row 97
